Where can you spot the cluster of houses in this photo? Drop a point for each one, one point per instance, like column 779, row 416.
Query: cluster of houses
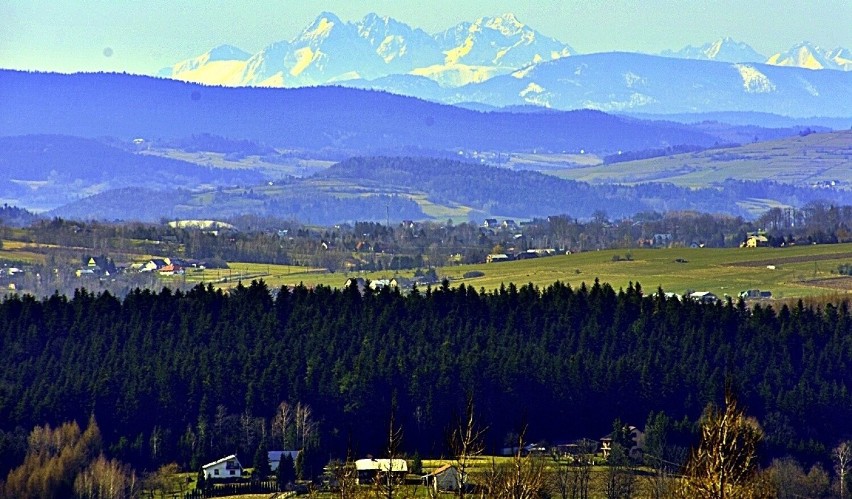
column 710, row 298
column 230, row 467
column 404, row 284
column 446, row 477
column 101, row 266
column 522, row 255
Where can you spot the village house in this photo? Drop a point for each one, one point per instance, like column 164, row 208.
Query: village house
column 634, row 452
column 369, row 469
column 704, row 297
column 755, row 241
column 662, row 239
column 497, row 257
column 490, row 223
column 401, row 283
column 576, row 448
column 379, row 284
column 227, row 467
column 155, row 264
column 359, row 282
column 172, row 269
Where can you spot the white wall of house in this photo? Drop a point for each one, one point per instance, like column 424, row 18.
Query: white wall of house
column 228, row 467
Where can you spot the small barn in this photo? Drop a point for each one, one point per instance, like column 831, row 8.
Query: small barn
column 227, row 467
column 447, row 478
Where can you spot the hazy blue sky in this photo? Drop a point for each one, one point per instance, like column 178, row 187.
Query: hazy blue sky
column 141, row 36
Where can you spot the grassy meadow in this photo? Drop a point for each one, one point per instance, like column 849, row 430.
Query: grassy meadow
column 799, row 271
column 789, row 273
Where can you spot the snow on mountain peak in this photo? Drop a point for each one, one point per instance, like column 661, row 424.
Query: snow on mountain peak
column 724, row 50
column 507, row 24
column 321, row 27
column 804, row 55
column 842, row 57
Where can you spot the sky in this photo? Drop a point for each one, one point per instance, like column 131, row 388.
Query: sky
column 142, row 36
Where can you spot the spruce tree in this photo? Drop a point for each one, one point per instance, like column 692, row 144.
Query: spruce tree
column 261, row 461
column 286, row 472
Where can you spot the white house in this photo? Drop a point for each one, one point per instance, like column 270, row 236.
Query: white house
column 227, row 467
column 276, row 456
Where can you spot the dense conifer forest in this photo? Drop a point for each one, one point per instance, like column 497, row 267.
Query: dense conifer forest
column 191, row 376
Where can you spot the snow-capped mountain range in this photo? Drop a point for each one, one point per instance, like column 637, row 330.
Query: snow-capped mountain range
column 802, row 55
column 330, row 50
column 723, row 50
column 499, row 61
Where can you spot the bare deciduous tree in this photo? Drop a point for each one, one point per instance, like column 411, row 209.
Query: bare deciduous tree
column 724, row 465
column 305, row 426
column 842, row 457
column 106, row 479
column 466, row 442
column 522, row 478
column 281, row 424
column 571, row 480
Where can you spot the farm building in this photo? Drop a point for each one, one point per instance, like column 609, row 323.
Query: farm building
column 227, row 467
column 704, row 297
column 371, row 469
column 447, row 478
column 636, row 437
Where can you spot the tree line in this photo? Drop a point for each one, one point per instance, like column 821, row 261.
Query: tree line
column 191, row 376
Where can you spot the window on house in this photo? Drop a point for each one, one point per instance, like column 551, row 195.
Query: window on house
column 215, row 472
column 233, row 471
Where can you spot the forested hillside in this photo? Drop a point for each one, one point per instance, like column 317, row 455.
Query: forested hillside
column 192, row 376
column 127, row 107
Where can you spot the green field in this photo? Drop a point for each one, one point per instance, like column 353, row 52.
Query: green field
column 294, row 166
column 799, row 271
column 817, row 157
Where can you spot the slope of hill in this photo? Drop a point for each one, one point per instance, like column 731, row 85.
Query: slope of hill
column 818, row 159
column 298, row 201
column 44, row 171
column 364, row 122
column 766, row 120
column 375, row 188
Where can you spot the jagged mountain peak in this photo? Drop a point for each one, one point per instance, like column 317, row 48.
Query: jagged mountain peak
column 321, row 27
column 803, row 55
column 507, row 23
column 227, row 52
column 725, row 49
column 499, row 41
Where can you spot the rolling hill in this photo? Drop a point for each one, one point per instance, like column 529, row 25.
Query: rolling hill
column 819, row 159
column 360, row 121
